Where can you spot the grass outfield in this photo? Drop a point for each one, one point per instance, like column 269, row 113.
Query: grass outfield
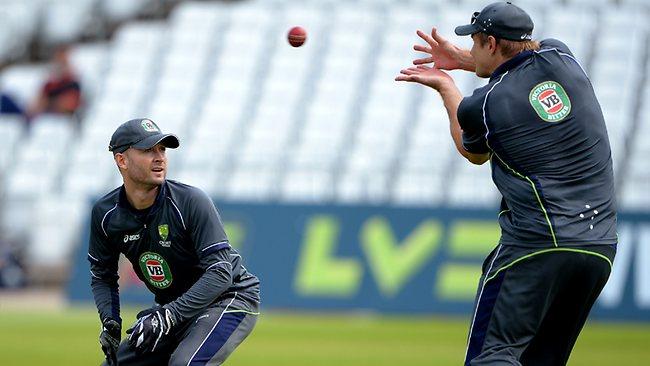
column 70, row 338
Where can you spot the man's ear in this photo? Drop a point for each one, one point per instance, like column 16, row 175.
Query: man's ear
column 492, row 42
column 121, row 160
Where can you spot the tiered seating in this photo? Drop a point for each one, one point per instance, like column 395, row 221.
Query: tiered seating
column 636, row 183
column 11, row 130
column 54, row 22
column 17, row 28
column 619, row 55
column 324, row 123
column 39, row 158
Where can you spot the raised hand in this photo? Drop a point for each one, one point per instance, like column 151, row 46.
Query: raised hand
column 428, row 76
column 442, row 53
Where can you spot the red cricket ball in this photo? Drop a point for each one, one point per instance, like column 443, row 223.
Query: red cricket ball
column 297, row 36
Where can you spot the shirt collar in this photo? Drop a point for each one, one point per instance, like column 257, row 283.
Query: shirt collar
column 162, row 193
column 511, row 64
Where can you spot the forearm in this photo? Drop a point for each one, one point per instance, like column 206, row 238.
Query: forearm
column 107, row 300
column 451, row 98
column 466, row 61
column 204, row 292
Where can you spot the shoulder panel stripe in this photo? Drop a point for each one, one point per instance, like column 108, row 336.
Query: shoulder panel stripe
column 487, row 129
column 539, row 201
column 179, row 212
column 104, row 218
column 566, row 55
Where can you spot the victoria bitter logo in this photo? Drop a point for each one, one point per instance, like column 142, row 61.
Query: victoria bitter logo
column 155, row 270
column 550, row 101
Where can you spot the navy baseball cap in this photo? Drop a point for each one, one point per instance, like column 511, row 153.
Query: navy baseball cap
column 501, row 20
column 140, row 133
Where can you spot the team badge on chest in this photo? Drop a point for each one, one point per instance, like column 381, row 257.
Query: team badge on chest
column 155, row 269
column 550, row 101
column 163, row 231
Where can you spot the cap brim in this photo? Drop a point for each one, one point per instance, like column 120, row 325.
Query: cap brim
column 466, row 30
column 167, row 140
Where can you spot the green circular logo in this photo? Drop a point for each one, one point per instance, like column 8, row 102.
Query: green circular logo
column 155, row 269
column 550, row 101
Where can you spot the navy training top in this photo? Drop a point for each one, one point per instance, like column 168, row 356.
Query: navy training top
column 177, row 247
column 550, row 156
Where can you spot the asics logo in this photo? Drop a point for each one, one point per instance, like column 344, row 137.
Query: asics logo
column 128, row 238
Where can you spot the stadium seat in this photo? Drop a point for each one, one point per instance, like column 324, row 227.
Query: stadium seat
column 211, row 181
column 66, row 20
column 56, row 229
column 23, row 82
column 12, row 129
column 359, row 187
column 262, row 121
column 18, row 27
column 120, row 10
column 418, row 189
column 251, row 184
column 89, row 62
column 307, row 186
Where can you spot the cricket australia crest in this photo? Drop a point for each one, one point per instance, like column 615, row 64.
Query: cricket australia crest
column 163, row 231
column 550, row 101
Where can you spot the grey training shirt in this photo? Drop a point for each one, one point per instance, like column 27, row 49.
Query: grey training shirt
column 177, row 247
column 539, row 118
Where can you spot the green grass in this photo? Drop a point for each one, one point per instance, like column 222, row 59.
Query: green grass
column 70, row 338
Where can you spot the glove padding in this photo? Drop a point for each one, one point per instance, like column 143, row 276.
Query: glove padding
column 148, row 330
column 109, row 339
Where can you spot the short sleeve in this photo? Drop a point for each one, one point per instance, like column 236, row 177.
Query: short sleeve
column 205, row 226
column 470, row 119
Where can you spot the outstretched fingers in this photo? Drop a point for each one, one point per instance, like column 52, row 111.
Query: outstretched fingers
column 427, row 38
column 437, row 37
column 403, row 77
column 424, row 49
column 410, row 71
column 409, row 74
column 424, row 60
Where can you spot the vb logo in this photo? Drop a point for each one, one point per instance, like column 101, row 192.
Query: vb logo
column 550, row 101
column 155, row 269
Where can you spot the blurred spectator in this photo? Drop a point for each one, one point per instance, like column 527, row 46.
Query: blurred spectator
column 12, row 272
column 8, row 105
column 61, row 94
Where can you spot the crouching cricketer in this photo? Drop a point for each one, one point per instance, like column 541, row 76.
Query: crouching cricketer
column 206, row 301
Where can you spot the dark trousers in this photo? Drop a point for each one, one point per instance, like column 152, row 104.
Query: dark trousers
column 532, row 304
column 207, row 339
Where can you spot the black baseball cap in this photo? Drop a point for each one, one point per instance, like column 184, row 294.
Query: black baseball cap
column 140, row 133
column 501, row 20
